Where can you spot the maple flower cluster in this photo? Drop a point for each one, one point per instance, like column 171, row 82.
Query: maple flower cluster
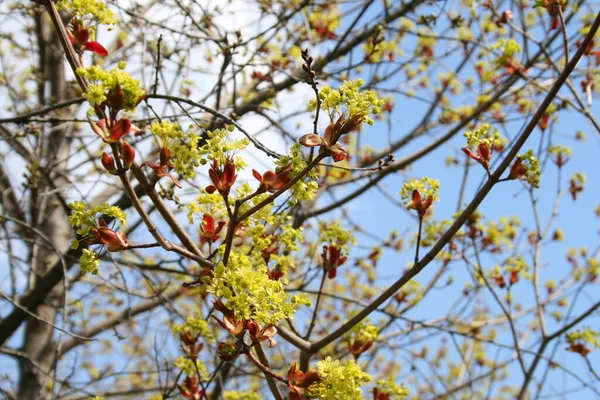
column 106, row 85
column 361, row 337
column 340, row 381
column 92, row 229
column 352, row 108
column 336, row 242
column 249, row 291
column 92, row 10
column 483, row 143
column 579, row 341
column 527, row 168
column 419, row 194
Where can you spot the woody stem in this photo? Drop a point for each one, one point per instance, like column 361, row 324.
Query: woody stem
column 419, row 239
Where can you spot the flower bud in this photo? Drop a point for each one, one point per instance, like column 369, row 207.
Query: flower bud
column 109, row 163
column 227, row 351
column 128, row 154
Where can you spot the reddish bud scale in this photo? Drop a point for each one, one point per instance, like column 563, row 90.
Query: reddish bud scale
column 518, row 170
column 108, row 162
column 227, row 351
column 128, row 155
column 80, row 39
column 222, row 176
column 114, row 241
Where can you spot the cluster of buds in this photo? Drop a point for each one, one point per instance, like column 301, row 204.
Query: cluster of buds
column 222, row 176
column 307, row 66
column 590, row 50
column 576, row 185
column 228, row 351
column 358, row 346
column 329, row 141
column 560, row 156
column 554, row 8
column 579, row 348
column 209, row 233
column 111, row 130
column 191, row 389
column 544, row 122
column 271, row 249
column 163, row 166
column 472, row 225
column 420, row 204
column 321, row 25
column 190, row 345
column 377, row 395
column 483, row 156
column 513, row 277
column 127, row 155
column 272, row 181
column 332, row 260
column 587, row 85
column 114, row 241
column 79, row 36
column 504, row 18
column 239, row 328
column 299, row 382
column 518, row 169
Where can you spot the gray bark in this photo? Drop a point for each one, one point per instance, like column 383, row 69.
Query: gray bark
column 48, row 217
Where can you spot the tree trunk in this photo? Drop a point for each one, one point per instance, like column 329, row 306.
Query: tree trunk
column 49, row 218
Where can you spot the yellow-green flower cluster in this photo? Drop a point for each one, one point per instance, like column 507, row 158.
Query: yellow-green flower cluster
column 350, row 100
column 412, row 288
column 183, row 148
column 87, row 9
column 362, row 332
column 327, row 19
column 510, row 48
column 196, row 326
column 549, row 3
column 206, row 202
column 340, row 381
column 486, row 72
column 433, row 231
column 558, row 149
column 426, row 186
column 585, row 335
column 96, row 398
column 290, row 237
column 517, row 264
column 89, row 262
column 532, row 176
column 304, row 189
column 249, row 395
column 166, row 131
column 334, row 233
column 579, row 179
column 449, row 79
column 85, row 217
column 188, row 368
column 465, row 34
column 218, row 147
column 102, row 82
column 248, row 291
column 287, row 237
column 482, row 135
column 426, row 40
column 593, row 268
column 502, row 232
column 389, row 387
column 375, row 52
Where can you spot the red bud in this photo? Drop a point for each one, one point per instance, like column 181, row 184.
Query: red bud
column 128, row 154
column 109, row 163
